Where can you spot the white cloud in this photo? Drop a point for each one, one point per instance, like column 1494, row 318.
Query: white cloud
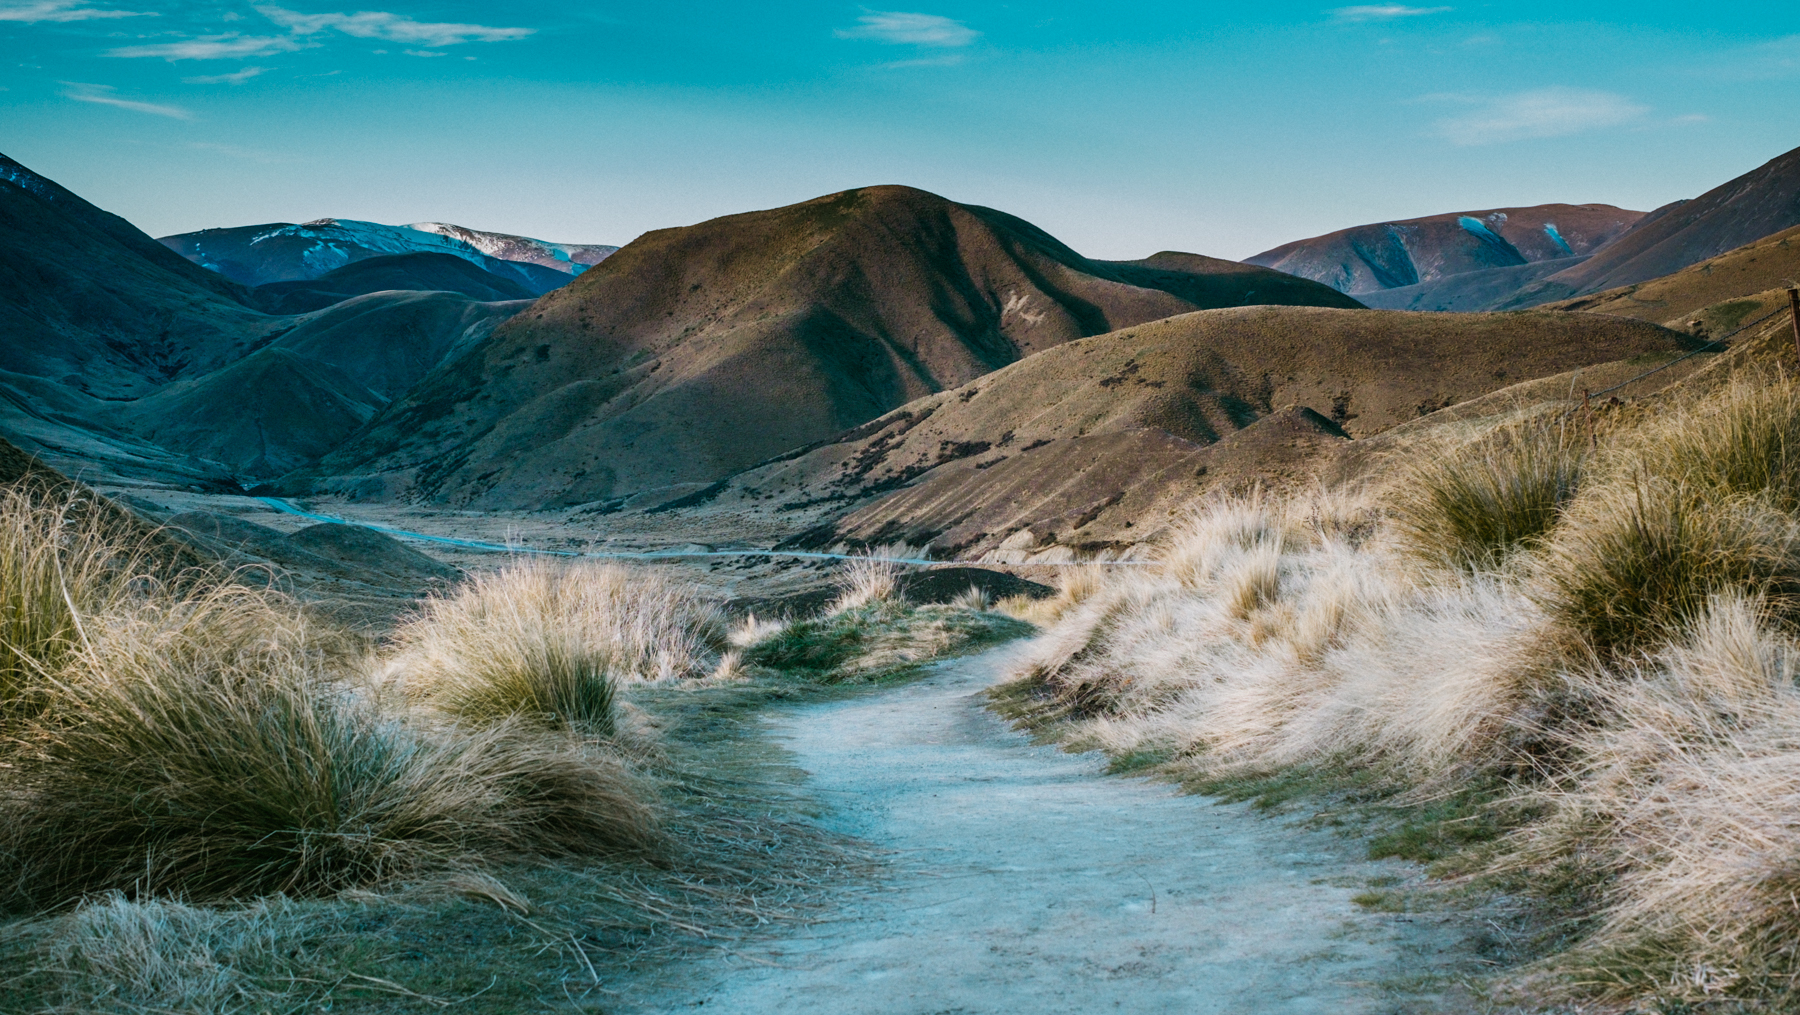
column 101, row 95
column 912, row 29
column 392, row 27
column 424, row 52
column 234, row 78
column 33, row 11
column 1545, row 112
column 1383, row 12
column 211, row 47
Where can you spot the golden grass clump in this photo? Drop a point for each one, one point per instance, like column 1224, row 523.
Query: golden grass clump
column 547, row 642
column 1637, row 562
column 1744, row 439
column 869, row 578
column 1477, row 506
column 57, row 563
column 220, row 746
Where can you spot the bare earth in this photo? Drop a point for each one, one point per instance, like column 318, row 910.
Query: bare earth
column 1026, row 881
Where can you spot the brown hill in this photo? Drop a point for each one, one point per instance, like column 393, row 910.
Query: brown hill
column 1389, row 255
column 1757, row 204
column 1744, row 275
column 695, row 352
column 1093, row 440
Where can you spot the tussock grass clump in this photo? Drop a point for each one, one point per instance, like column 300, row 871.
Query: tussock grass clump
column 1683, row 811
column 547, row 642
column 218, row 747
column 869, row 579
column 1490, row 498
column 1743, row 440
column 1638, row 562
column 57, row 563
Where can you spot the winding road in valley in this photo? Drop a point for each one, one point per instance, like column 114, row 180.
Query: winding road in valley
column 1026, row 882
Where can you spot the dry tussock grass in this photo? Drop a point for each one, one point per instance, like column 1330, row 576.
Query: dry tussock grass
column 549, row 641
column 1608, row 637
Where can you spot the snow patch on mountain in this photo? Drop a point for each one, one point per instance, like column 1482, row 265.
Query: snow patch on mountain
column 573, row 258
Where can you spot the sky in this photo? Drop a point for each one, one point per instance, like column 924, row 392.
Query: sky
column 1223, row 129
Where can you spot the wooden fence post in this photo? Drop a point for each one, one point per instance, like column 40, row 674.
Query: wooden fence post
column 1794, row 311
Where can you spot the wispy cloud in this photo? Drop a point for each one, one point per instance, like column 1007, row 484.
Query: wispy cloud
column 1544, row 112
column 212, row 47
column 235, row 152
column 234, row 78
column 392, row 27
column 911, row 29
column 102, row 95
column 1383, row 12
column 32, row 11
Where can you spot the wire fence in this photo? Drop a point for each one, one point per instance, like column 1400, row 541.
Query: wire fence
column 1690, row 354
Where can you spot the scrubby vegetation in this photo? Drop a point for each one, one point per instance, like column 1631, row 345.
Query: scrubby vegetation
column 1568, row 671
column 210, row 798
column 870, row 633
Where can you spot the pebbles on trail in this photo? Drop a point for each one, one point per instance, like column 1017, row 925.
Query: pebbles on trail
column 1026, row 881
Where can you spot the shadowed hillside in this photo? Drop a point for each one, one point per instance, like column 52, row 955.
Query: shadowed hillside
column 86, row 298
column 121, row 356
column 694, row 352
column 423, row 272
column 1391, row 255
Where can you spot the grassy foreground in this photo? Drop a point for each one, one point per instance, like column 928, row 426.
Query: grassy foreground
column 540, row 784
column 1555, row 665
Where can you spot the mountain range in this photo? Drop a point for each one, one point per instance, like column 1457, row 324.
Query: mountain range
column 874, row 364
column 289, row 252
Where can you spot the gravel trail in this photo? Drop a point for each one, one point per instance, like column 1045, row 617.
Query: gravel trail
column 1026, row 881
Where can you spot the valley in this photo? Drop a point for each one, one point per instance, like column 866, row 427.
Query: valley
column 877, row 590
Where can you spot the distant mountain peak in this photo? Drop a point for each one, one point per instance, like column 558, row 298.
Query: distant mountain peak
column 296, row 252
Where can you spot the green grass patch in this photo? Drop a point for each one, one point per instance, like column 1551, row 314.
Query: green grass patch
column 878, row 642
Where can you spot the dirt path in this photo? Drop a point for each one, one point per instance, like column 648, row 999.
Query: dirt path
column 1028, row 882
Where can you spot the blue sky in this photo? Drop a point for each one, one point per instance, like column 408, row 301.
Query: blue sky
column 1123, row 129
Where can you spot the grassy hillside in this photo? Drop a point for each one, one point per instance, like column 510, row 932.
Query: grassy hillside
column 1709, row 298
column 1098, row 443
